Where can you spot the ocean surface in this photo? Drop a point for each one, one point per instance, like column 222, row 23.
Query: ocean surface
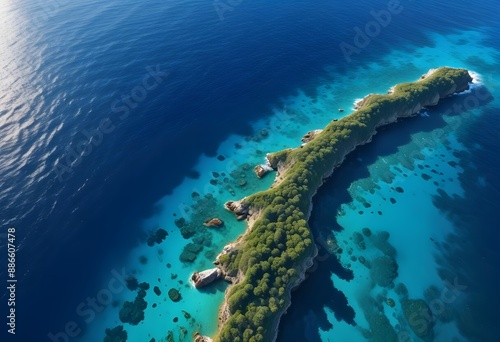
column 121, row 117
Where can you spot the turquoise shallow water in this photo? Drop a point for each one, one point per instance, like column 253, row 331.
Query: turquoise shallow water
column 417, row 228
column 240, row 87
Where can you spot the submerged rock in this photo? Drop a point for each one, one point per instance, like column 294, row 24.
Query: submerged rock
column 190, row 252
column 425, row 176
column 359, row 241
column 116, row 334
column 132, row 283
column 193, row 174
column 380, row 240
column 144, row 286
column 401, row 290
column 157, row 237
column 204, row 239
column 206, row 277
column 419, row 317
column 174, row 295
column 444, row 313
column 390, row 302
column 187, row 230
column 187, row 256
column 215, row 222
column 366, row 232
column 133, row 312
column 365, row 262
column 384, row 270
column 182, row 333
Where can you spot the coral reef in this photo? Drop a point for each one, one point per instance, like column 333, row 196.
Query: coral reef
column 174, row 295
column 384, row 270
column 419, row 317
column 215, row 222
column 157, row 237
column 190, row 251
column 117, row 334
column 133, row 312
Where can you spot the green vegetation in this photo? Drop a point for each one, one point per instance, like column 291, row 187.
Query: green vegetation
column 273, row 254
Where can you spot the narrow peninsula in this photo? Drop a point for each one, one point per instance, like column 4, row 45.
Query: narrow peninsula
column 277, row 248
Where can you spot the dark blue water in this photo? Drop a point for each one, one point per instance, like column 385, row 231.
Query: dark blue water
column 66, row 67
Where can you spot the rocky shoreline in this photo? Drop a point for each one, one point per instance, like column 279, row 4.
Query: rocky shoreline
column 244, row 209
column 224, row 310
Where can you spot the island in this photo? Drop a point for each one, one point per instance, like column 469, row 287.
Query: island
column 271, row 257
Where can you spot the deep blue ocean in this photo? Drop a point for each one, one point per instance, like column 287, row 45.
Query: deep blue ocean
column 106, row 107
